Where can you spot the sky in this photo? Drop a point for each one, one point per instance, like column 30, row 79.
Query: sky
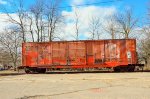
column 102, row 8
column 139, row 6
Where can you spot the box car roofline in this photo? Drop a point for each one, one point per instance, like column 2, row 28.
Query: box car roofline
column 82, row 40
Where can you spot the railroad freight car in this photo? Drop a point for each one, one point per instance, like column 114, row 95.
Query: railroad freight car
column 119, row 54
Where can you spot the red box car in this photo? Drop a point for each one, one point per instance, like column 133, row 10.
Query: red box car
column 119, row 54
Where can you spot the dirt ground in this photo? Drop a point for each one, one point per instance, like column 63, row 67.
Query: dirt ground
column 75, row 85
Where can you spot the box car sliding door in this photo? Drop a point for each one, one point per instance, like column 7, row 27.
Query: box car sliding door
column 59, row 53
column 98, row 52
column 95, row 52
column 44, row 54
column 112, row 52
column 76, row 53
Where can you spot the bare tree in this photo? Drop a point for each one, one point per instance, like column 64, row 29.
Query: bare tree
column 53, row 16
column 11, row 40
column 111, row 27
column 21, row 17
column 145, row 41
column 37, row 10
column 31, row 28
column 76, row 24
column 40, row 21
column 5, row 59
column 94, row 28
column 127, row 22
column 145, row 45
column 46, row 18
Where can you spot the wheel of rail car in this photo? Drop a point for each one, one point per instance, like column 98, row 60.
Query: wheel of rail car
column 117, row 69
column 27, row 70
column 41, row 70
column 131, row 68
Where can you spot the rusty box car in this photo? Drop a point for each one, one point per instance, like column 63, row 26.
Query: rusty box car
column 119, row 54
